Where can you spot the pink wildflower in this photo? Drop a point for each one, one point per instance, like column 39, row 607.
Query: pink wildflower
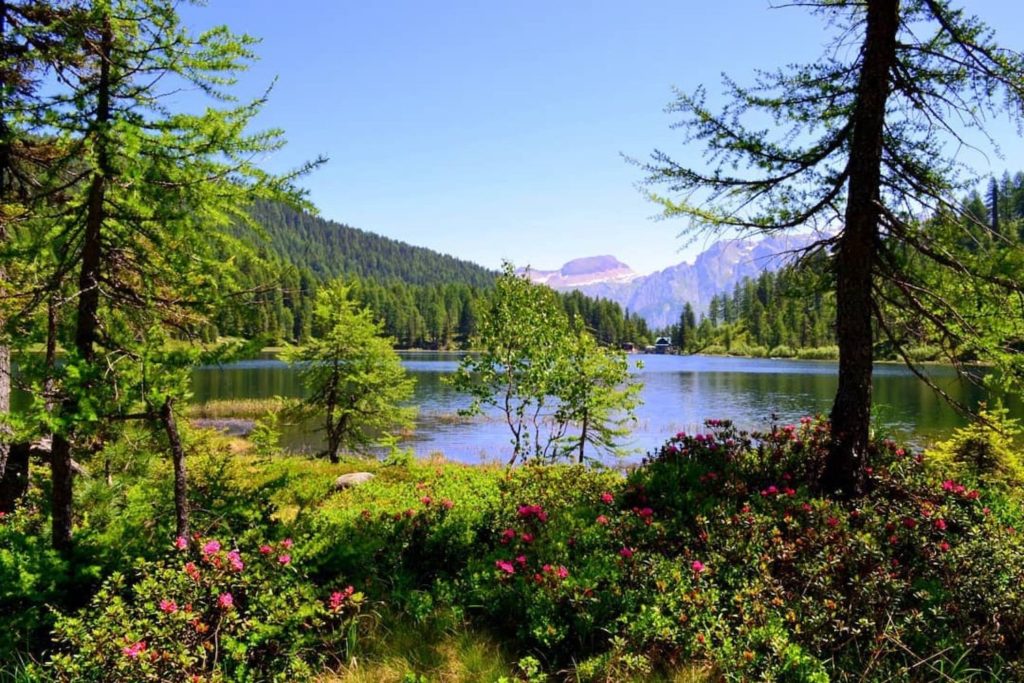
column 192, row 570
column 526, row 538
column 940, row 524
column 134, row 650
column 602, row 520
column 168, row 606
column 211, row 547
column 505, row 566
column 521, row 560
column 507, row 535
column 447, row 504
column 626, row 552
column 944, row 547
column 284, row 559
column 181, row 543
column 235, row 560
column 697, row 566
column 225, row 601
column 426, row 500
column 563, row 573
column 265, row 549
column 833, row 522
column 286, row 543
column 910, row 522
column 607, row 498
column 338, row 598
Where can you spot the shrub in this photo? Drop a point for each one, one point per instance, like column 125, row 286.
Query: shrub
column 818, row 353
column 207, row 613
column 987, row 452
column 782, row 351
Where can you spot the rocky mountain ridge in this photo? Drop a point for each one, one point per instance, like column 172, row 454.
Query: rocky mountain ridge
column 659, row 297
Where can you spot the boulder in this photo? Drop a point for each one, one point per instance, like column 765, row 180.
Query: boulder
column 347, row 481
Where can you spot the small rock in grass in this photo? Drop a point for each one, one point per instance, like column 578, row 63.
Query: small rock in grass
column 347, row 481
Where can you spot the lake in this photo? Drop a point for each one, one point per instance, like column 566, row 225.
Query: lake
column 679, row 393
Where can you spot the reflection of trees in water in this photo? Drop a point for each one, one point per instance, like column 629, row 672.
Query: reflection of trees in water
column 674, row 400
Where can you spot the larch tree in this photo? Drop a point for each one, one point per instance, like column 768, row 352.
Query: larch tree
column 355, row 380
column 137, row 241
column 37, row 39
column 864, row 146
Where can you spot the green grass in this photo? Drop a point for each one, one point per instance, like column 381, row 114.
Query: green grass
column 238, row 408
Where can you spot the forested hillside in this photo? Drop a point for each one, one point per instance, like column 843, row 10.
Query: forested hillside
column 792, row 312
column 425, row 299
column 328, row 249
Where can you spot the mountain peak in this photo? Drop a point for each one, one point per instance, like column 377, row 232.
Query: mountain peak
column 581, row 272
column 659, row 297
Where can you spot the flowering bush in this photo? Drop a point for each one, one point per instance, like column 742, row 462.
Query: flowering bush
column 207, row 612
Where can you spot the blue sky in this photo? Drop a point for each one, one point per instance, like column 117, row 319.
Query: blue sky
column 493, row 130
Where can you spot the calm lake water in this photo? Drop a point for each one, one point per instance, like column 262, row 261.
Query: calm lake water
column 679, row 393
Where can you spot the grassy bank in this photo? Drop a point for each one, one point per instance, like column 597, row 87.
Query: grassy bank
column 714, row 561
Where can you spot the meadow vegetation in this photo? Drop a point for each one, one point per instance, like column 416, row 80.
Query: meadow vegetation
column 713, row 560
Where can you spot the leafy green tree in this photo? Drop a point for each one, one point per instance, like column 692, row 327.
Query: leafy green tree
column 355, row 379
column 865, row 145
column 145, row 199
column 521, row 332
column 543, row 374
column 598, row 395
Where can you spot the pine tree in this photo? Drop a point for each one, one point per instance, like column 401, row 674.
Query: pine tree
column 143, row 223
column 862, row 148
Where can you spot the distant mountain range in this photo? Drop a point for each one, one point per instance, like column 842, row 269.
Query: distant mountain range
column 659, row 297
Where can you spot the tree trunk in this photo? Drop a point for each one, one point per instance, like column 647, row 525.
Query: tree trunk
column 87, row 313
column 62, row 512
column 5, row 163
column 5, row 404
column 583, row 438
column 851, row 411
column 181, row 511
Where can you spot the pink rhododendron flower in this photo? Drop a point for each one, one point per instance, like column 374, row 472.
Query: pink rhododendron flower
column 447, row 504
column 526, row 538
column 338, row 598
column 527, row 511
column 944, row 547
column 286, row 543
column 607, row 498
column 562, row 572
column 770, row 491
column 505, row 566
column 833, row 522
column 546, row 569
column 521, row 560
column 284, row 559
column 265, row 549
column 181, row 543
column 235, row 560
column 134, row 650
column 192, row 570
column 211, row 547
column 168, row 606
column 626, row 552
column 225, row 601
column 602, row 520
column 697, row 566
column 940, row 524
column 426, row 500
column 910, row 523
column 507, row 535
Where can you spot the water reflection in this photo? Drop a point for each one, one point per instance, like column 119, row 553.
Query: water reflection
column 679, row 393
